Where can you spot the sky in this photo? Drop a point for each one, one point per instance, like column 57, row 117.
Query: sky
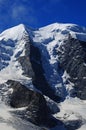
column 38, row 13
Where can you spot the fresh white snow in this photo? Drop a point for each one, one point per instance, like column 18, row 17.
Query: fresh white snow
column 16, row 42
column 14, row 33
column 72, row 109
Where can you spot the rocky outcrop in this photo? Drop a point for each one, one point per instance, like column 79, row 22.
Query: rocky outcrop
column 72, row 58
column 36, row 109
column 25, row 60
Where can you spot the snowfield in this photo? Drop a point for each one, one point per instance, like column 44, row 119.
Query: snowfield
column 73, row 109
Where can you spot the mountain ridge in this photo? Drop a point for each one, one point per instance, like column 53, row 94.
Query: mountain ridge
column 49, row 61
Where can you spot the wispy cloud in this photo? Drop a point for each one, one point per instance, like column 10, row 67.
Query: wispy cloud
column 16, row 12
column 19, row 11
column 23, row 13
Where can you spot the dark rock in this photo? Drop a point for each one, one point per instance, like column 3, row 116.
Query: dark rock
column 26, row 66
column 72, row 58
column 37, row 110
column 73, row 125
column 40, row 81
column 25, row 60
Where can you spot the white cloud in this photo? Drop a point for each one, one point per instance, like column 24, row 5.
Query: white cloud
column 18, row 11
column 23, row 13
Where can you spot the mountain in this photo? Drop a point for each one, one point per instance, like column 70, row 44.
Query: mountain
column 43, row 77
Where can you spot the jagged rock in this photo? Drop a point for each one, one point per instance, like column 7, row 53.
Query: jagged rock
column 37, row 110
column 72, row 58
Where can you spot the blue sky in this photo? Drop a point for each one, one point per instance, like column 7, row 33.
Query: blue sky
column 38, row 13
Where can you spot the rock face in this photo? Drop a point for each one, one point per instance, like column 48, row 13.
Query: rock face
column 36, row 110
column 23, row 97
column 72, row 58
column 25, row 60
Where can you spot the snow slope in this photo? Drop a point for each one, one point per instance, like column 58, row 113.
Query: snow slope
column 73, row 109
column 12, row 46
column 8, row 121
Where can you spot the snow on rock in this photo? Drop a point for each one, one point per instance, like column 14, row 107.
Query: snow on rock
column 52, row 105
column 14, row 33
column 47, row 39
column 12, row 46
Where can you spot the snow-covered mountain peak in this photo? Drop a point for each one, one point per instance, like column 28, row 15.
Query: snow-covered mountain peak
column 12, row 46
column 14, row 33
column 47, row 39
column 62, row 26
column 64, row 29
column 49, row 60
